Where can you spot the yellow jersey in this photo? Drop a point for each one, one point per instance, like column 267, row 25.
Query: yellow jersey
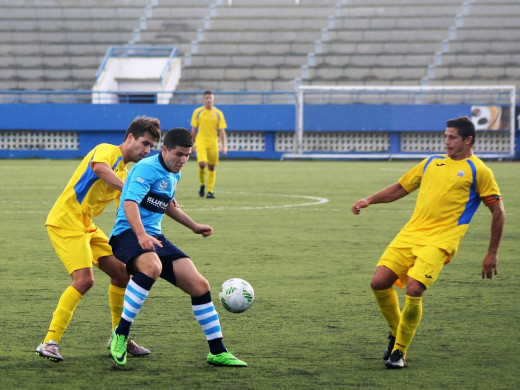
column 208, row 123
column 86, row 195
column 450, row 191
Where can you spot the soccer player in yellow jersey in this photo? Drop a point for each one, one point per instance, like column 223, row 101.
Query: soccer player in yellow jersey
column 207, row 126
column 79, row 243
column 451, row 187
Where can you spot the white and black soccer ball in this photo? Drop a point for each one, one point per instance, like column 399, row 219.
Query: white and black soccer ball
column 236, row 295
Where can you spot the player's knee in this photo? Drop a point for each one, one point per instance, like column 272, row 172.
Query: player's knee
column 120, row 280
column 84, row 284
column 155, row 270
column 415, row 288
column 204, row 284
column 199, row 287
column 380, row 284
column 375, row 285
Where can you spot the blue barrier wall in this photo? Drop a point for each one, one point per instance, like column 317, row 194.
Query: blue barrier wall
column 98, row 123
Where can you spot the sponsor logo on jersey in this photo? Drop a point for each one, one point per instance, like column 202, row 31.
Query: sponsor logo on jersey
column 155, row 203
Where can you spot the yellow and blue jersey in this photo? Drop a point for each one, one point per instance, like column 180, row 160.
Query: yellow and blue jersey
column 208, row 123
column 450, row 191
column 86, row 195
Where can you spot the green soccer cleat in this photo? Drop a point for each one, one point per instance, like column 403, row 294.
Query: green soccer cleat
column 118, row 348
column 132, row 347
column 225, row 359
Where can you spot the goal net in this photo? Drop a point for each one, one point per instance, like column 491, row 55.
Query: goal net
column 385, row 122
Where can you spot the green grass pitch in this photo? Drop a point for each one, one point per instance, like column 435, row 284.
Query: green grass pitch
column 285, row 227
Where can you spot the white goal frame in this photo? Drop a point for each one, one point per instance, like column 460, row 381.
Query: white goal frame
column 420, row 95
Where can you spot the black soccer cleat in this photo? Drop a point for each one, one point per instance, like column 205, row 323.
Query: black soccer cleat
column 201, row 191
column 396, row 360
column 389, row 349
column 210, row 195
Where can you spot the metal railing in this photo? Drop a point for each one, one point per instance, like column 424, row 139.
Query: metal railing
column 138, row 51
column 130, row 97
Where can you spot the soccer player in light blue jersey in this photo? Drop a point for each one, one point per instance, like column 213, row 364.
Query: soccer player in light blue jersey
column 137, row 240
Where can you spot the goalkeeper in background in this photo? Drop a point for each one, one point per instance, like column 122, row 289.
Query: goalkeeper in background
column 207, row 126
column 79, row 243
column 451, row 187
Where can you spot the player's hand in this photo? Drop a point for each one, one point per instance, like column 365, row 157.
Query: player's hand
column 148, row 242
column 489, row 266
column 358, row 205
column 204, row 230
column 223, row 151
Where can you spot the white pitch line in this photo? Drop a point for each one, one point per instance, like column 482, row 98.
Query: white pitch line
column 317, row 200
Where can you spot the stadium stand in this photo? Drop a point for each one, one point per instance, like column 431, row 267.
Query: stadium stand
column 255, row 45
column 59, row 44
column 266, row 45
column 380, row 42
column 482, row 47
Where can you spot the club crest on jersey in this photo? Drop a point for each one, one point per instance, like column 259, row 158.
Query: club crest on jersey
column 460, row 173
column 163, row 185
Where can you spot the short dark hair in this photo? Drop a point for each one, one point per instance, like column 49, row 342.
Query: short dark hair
column 464, row 126
column 142, row 125
column 208, row 92
column 178, row 136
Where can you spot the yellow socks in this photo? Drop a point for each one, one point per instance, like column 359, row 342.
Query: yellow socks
column 212, row 176
column 202, row 175
column 410, row 319
column 63, row 314
column 116, row 300
column 389, row 306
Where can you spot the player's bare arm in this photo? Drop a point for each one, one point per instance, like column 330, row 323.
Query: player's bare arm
column 105, row 173
column 389, row 194
column 181, row 217
column 134, row 220
column 498, row 219
column 193, row 134
column 223, row 141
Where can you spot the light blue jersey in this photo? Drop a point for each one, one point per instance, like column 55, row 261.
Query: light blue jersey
column 152, row 186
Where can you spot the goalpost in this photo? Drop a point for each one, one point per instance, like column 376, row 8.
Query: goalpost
column 385, row 122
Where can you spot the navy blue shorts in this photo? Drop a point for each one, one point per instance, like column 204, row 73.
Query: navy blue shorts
column 126, row 248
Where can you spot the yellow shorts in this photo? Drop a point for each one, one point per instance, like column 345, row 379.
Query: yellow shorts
column 423, row 263
column 78, row 249
column 207, row 153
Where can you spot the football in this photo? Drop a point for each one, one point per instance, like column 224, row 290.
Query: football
column 236, row 295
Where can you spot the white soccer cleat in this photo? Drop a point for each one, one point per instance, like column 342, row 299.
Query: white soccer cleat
column 50, row 351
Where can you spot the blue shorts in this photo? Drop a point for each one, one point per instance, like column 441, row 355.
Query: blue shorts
column 126, row 248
